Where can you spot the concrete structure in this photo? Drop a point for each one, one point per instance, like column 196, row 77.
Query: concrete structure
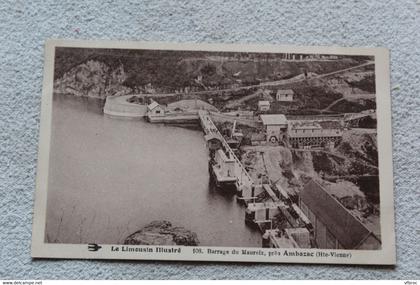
column 334, row 226
column 223, row 169
column 226, row 163
column 189, row 105
column 273, row 193
column 244, row 183
column 263, row 106
column 119, row 106
column 287, row 238
column 303, row 133
column 275, row 127
column 285, row 95
column 262, row 212
column 300, row 235
column 275, row 238
column 301, row 215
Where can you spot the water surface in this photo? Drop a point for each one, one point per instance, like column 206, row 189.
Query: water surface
column 110, row 177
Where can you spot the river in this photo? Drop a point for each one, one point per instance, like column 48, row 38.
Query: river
column 110, row 177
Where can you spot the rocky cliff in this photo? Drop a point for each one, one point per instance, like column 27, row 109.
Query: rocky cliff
column 92, row 79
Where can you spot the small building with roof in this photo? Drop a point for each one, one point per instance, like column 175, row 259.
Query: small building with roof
column 275, row 126
column 155, row 111
column 214, row 141
column 264, row 106
column 284, row 95
column 335, row 227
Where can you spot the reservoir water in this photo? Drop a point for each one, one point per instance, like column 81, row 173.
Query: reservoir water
column 110, row 177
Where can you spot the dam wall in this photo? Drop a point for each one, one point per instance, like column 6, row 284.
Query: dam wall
column 118, row 106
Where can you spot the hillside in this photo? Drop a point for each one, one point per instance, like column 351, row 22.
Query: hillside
column 102, row 71
column 92, row 79
column 353, row 166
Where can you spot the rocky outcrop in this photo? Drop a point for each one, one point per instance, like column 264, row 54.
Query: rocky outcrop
column 92, row 79
column 162, row 233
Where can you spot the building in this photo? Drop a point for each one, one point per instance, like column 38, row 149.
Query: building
column 214, row 141
column 263, row 106
column 302, row 133
column 154, row 110
column 334, row 226
column 262, row 212
column 285, row 95
column 275, row 126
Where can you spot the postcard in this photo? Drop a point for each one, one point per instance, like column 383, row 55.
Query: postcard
column 215, row 152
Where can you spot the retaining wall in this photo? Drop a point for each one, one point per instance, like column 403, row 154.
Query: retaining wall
column 118, row 106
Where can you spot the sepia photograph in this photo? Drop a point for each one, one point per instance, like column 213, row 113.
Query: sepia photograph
column 211, row 148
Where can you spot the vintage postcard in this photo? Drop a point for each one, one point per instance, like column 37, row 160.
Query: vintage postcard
column 211, row 152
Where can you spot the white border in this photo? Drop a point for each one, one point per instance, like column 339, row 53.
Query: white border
column 386, row 255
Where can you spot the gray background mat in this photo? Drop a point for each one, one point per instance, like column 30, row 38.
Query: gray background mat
column 25, row 25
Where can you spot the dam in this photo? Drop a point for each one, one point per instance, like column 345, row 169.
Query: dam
column 119, row 106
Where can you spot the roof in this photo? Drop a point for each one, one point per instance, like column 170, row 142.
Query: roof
column 304, row 125
column 315, row 124
column 152, row 105
column 348, row 230
column 330, row 125
column 263, row 102
column 275, row 119
column 285, row 91
column 212, row 136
